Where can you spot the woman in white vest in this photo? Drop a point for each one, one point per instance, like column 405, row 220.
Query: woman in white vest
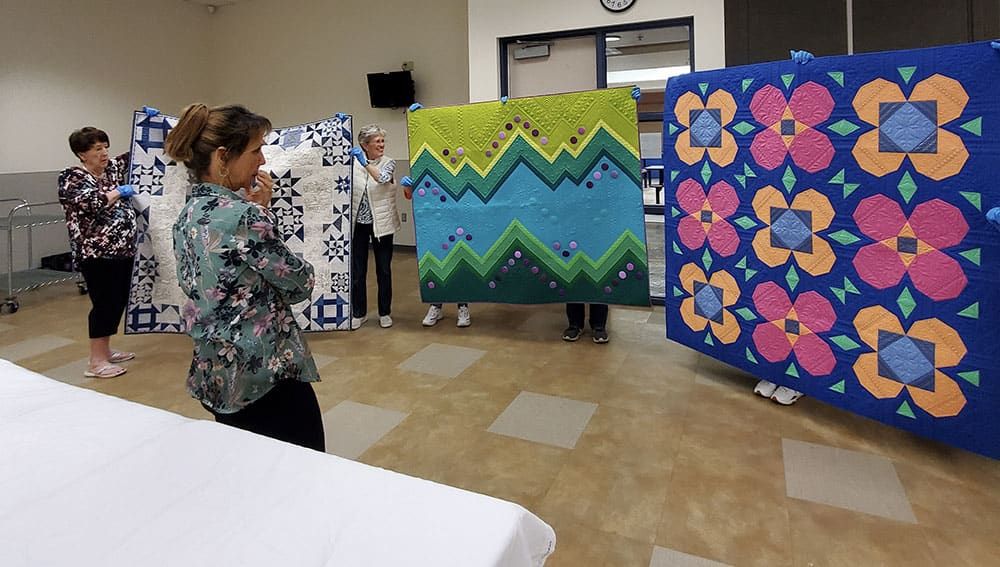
column 376, row 220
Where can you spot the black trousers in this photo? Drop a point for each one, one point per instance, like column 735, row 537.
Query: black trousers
column 382, row 247
column 598, row 315
column 108, row 283
column 289, row 412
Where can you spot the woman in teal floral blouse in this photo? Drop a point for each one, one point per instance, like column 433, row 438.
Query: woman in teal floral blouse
column 252, row 368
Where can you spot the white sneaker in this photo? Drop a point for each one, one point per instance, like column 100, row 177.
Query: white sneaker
column 356, row 322
column 765, row 389
column 385, row 321
column 464, row 317
column 433, row 316
column 786, row 396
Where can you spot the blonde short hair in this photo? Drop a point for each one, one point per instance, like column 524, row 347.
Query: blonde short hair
column 370, row 131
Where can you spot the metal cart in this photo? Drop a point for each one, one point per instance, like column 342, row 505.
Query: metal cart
column 21, row 216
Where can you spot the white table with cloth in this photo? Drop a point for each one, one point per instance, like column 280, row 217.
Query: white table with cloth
column 90, row 479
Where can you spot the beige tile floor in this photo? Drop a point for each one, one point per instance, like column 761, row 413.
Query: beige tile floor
column 672, row 462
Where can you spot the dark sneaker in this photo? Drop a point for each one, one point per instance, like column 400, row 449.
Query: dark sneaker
column 572, row 333
column 600, row 336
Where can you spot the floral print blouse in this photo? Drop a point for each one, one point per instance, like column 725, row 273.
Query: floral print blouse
column 241, row 280
column 96, row 229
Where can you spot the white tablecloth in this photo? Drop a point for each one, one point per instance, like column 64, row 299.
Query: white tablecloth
column 89, row 479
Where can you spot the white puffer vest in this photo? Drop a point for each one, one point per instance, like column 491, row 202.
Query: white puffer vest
column 381, row 196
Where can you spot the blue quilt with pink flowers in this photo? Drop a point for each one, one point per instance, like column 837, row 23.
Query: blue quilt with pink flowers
column 826, row 231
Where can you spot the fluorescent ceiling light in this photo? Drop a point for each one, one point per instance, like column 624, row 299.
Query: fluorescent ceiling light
column 612, row 38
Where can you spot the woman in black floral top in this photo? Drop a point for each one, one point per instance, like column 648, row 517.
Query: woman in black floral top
column 102, row 233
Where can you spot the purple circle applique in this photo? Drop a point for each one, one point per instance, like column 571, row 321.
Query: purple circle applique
column 503, row 135
column 421, row 192
column 468, row 237
column 534, row 269
column 427, row 183
column 544, row 140
column 430, row 285
column 453, row 160
column 504, row 269
column 597, row 175
column 510, row 262
column 489, row 153
column 607, row 289
column 604, row 166
column 517, row 118
column 580, row 130
column 435, row 191
column 443, row 198
column 451, row 237
column 565, row 253
column 460, row 231
column 527, row 124
column 572, row 244
column 573, row 140
column 508, row 126
column 534, row 133
column 496, row 144
column 556, row 245
column 614, row 175
column 590, row 184
column 562, row 291
column 622, row 274
column 553, row 284
column 445, row 151
column 493, row 284
column 444, row 246
column 630, row 266
column 517, row 253
column 460, row 151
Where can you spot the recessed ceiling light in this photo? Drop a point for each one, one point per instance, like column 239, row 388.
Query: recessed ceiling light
column 612, row 38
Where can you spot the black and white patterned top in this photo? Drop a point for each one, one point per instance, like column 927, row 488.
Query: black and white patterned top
column 97, row 229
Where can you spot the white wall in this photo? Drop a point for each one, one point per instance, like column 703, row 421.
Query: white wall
column 493, row 19
column 327, row 49
column 70, row 63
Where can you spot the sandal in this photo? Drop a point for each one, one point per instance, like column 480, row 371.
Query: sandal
column 118, row 356
column 105, row 371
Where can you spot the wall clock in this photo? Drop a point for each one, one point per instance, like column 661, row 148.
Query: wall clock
column 617, row 5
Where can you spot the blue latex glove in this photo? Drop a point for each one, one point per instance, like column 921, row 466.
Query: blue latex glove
column 415, row 107
column 503, row 99
column 407, row 181
column 341, row 116
column 150, row 111
column 801, row 57
column 359, row 155
column 995, row 45
column 126, row 191
column 636, row 93
column 993, row 215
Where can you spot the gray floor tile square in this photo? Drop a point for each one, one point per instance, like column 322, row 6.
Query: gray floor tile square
column 629, row 316
column 351, row 428
column 32, row 347
column 664, row 557
column 5, row 327
column 846, row 479
column 442, row 360
column 323, row 360
column 544, row 419
column 71, row 373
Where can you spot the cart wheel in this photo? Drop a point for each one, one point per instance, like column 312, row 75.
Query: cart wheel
column 82, row 287
column 14, row 306
column 10, row 306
